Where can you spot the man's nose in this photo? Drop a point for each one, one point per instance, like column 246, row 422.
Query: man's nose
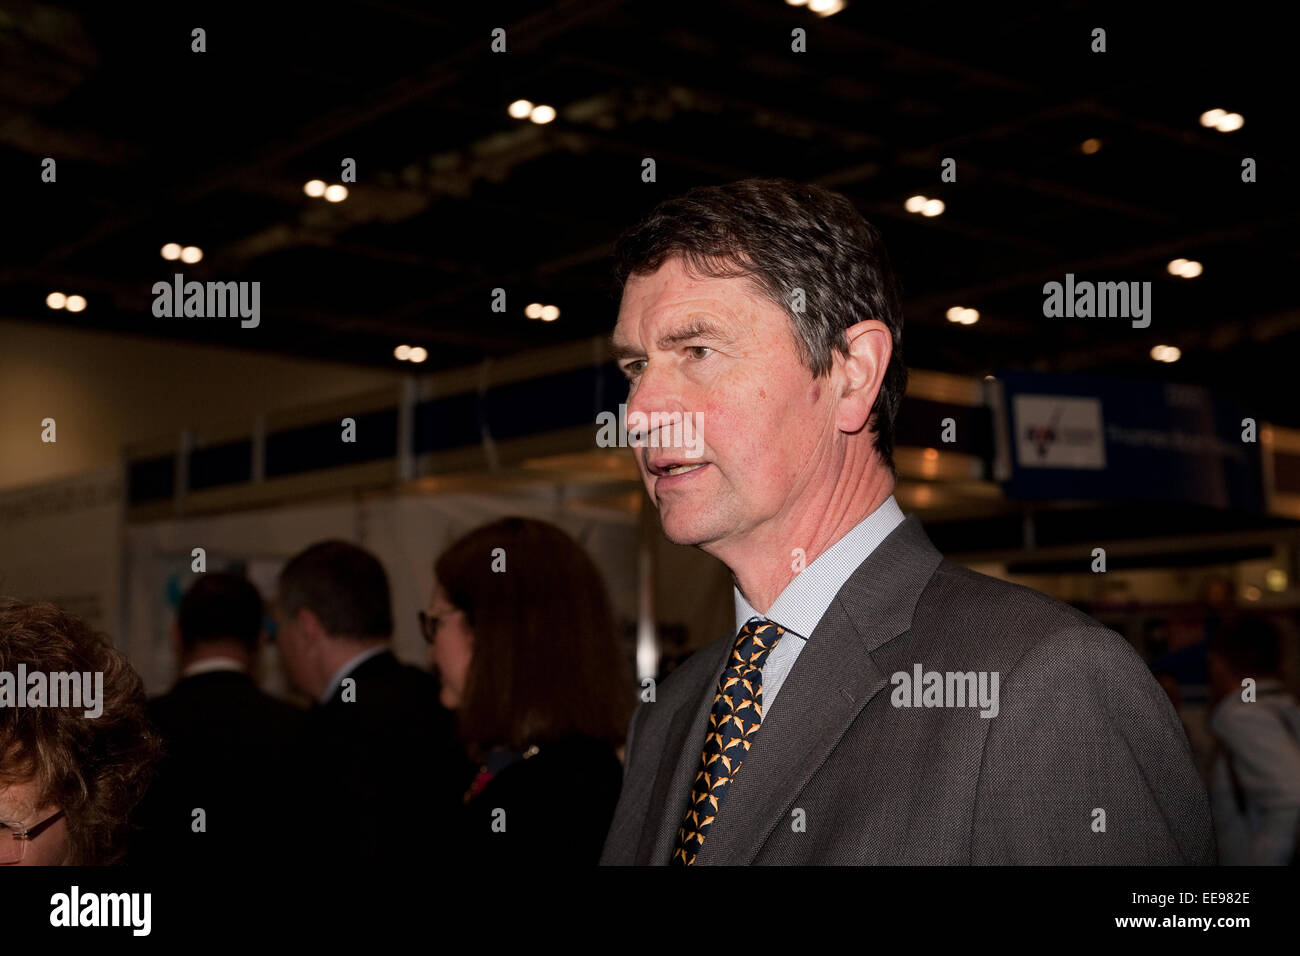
column 656, row 401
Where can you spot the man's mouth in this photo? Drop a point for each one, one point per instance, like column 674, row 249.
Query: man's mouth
column 666, row 468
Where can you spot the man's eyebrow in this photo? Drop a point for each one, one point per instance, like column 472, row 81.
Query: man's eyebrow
column 619, row 350
column 695, row 329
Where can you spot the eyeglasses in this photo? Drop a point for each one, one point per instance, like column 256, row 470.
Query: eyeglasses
column 13, row 843
column 429, row 624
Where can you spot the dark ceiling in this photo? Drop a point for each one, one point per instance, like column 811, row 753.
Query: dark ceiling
column 156, row 143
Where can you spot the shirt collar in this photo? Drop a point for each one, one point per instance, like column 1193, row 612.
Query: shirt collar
column 210, row 664
column 337, row 680
column 805, row 599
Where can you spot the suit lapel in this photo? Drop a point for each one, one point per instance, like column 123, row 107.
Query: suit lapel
column 832, row 680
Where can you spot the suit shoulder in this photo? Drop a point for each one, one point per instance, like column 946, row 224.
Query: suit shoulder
column 281, row 709
column 160, row 704
column 163, row 712
column 953, row 583
column 1008, row 621
column 403, row 682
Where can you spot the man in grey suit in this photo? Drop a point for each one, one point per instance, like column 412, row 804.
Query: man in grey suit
column 878, row 704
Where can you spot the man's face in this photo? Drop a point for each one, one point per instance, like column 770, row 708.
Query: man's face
column 766, row 423
column 292, row 644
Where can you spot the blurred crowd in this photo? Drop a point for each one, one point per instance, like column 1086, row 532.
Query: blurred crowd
column 506, row 749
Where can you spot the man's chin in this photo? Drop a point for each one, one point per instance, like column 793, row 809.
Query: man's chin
column 684, row 530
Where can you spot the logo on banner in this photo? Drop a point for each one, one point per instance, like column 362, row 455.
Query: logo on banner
column 1054, row 431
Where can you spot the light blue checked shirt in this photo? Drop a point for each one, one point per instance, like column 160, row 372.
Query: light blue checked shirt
column 805, row 599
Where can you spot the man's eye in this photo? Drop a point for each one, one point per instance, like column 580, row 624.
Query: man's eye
column 698, row 348
column 633, row 369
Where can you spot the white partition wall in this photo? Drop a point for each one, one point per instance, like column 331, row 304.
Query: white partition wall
column 60, row 541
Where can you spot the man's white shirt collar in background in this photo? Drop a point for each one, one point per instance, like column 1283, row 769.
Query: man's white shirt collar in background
column 210, row 664
column 337, row 680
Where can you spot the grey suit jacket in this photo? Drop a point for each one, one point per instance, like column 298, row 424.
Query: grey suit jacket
column 840, row 775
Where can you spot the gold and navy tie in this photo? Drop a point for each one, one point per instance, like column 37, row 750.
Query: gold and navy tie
column 737, row 713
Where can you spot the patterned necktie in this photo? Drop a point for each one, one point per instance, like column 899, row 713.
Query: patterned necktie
column 737, row 713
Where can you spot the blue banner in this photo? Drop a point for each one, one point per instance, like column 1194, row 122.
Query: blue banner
column 1093, row 438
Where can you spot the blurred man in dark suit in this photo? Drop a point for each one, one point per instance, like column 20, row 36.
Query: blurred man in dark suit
column 225, row 739
column 380, row 767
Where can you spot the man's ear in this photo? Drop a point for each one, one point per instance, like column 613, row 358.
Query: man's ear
column 861, row 372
